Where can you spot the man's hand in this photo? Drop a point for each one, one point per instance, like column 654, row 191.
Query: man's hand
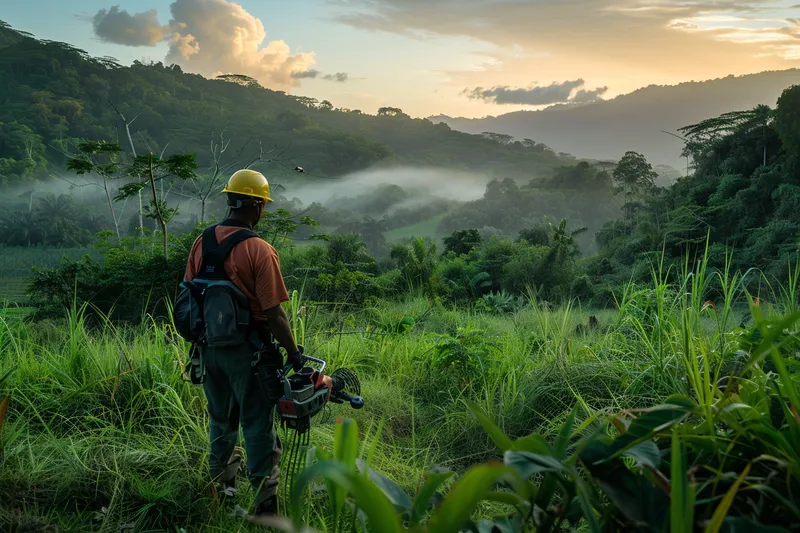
column 296, row 359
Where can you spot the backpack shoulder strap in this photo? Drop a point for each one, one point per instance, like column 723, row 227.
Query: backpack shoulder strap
column 215, row 253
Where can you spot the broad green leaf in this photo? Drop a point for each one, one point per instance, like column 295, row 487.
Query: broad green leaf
column 652, row 421
column 429, row 488
column 722, row 509
column 345, row 442
column 366, row 495
column 499, row 438
column 768, row 336
column 634, row 495
column 463, row 498
column 528, row 464
column 508, row 498
column 585, row 501
column 681, row 493
column 533, row 444
column 562, row 440
column 396, row 495
column 500, row 525
column 345, row 450
column 645, row 454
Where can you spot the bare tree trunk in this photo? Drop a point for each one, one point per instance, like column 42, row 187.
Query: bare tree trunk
column 202, row 210
column 111, row 208
column 157, row 206
column 133, row 151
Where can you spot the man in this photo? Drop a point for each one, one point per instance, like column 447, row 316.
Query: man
column 234, row 395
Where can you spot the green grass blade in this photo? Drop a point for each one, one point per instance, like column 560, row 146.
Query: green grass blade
column 368, row 497
column 681, row 493
column 461, row 501
column 429, row 488
column 500, row 439
column 722, row 510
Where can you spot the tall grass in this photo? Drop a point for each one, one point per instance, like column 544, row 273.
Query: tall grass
column 101, row 431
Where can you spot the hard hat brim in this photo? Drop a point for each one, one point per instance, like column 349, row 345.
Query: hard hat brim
column 265, row 198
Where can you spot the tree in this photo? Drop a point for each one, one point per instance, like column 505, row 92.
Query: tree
column 391, row 112
column 294, row 121
column 346, row 248
column 752, row 123
column 634, row 176
column 133, row 152
column 499, row 138
column 787, row 121
column 99, row 158
column 239, row 79
column 536, row 236
column 207, row 184
column 156, row 169
column 417, row 263
column 306, row 101
column 325, row 105
column 147, row 169
column 462, row 242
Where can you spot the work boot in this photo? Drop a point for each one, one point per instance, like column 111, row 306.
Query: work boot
column 268, row 507
column 226, row 481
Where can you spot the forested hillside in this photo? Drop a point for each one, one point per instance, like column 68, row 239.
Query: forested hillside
column 53, row 94
column 606, row 129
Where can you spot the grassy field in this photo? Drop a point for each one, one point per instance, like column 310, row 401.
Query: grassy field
column 102, row 434
column 17, row 266
column 426, row 228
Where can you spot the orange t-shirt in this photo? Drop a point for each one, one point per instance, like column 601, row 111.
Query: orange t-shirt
column 253, row 266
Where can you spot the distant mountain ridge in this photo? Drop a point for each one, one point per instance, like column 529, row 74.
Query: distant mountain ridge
column 608, row 128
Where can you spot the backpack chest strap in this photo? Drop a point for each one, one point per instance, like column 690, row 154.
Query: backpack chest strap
column 215, row 253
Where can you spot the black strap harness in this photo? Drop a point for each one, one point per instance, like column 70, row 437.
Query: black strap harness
column 215, row 253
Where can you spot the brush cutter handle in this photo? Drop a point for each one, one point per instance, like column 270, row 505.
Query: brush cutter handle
column 356, row 402
column 322, row 364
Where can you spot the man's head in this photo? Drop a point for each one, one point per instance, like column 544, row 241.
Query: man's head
column 248, row 193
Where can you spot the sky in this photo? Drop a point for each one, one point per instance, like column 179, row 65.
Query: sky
column 469, row 58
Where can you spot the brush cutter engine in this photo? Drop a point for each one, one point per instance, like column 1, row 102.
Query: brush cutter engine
column 301, row 400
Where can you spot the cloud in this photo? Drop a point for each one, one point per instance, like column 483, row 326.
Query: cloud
column 340, row 77
column 210, row 37
column 682, row 25
column 118, row 26
column 313, row 74
column 555, row 93
column 626, row 43
column 584, row 97
column 307, row 75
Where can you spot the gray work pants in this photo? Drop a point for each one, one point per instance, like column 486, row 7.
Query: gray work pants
column 235, row 397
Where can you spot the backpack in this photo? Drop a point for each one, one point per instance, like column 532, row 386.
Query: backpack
column 210, row 309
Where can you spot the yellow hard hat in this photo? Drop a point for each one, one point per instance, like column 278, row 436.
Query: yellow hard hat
column 250, row 183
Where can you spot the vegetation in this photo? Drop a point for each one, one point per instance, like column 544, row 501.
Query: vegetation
column 513, row 383
column 666, row 413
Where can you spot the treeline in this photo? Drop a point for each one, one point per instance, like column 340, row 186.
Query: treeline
column 54, row 95
column 744, row 197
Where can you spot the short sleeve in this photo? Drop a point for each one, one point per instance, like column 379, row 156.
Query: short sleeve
column 192, row 267
column 269, row 286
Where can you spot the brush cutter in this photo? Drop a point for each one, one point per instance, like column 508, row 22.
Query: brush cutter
column 301, row 396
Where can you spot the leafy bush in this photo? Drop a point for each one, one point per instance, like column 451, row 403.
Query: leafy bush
column 499, row 303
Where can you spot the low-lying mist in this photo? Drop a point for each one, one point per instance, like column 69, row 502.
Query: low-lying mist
column 421, row 186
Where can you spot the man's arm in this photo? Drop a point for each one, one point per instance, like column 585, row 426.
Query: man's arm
column 278, row 324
